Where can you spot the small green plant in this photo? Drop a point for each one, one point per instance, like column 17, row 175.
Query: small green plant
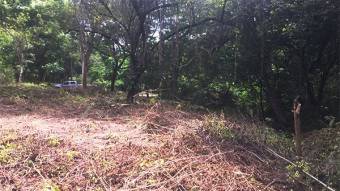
column 71, row 155
column 17, row 99
column 5, row 153
column 153, row 100
column 54, row 141
column 8, row 138
column 50, row 186
column 295, row 170
column 79, row 99
column 216, row 125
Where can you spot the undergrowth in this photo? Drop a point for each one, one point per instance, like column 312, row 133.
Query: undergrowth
column 321, row 149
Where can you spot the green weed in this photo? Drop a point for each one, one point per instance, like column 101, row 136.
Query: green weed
column 215, row 124
column 71, row 155
column 54, row 141
column 5, row 153
column 50, row 186
column 295, row 171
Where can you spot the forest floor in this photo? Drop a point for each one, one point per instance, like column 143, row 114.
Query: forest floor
column 74, row 140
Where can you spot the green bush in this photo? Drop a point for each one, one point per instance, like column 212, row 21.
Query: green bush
column 6, row 74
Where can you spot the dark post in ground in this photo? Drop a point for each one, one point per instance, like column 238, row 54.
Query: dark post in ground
column 297, row 124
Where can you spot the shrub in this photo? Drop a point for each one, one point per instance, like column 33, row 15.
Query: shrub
column 215, row 124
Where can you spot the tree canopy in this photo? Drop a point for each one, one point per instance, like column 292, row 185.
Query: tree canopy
column 256, row 55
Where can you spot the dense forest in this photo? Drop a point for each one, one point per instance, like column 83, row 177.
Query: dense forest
column 258, row 55
column 263, row 61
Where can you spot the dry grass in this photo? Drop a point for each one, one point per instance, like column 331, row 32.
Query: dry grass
column 177, row 154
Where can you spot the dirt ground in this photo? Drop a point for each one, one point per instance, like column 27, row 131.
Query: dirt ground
column 59, row 140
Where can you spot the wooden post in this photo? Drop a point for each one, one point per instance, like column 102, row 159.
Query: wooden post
column 297, row 125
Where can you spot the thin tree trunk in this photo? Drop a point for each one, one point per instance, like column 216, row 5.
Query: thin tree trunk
column 20, row 59
column 21, row 72
column 161, row 37
column 297, row 125
column 338, row 59
column 161, row 46
column 82, row 57
column 176, row 59
column 261, row 102
column 85, row 67
column 86, row 46
column 71, row 70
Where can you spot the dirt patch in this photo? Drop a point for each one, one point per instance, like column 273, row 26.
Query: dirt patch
column 85, row 133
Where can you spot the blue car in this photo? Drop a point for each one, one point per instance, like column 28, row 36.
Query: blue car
column 67, row 85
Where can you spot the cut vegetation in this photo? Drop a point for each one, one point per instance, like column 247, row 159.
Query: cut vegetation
column 52, row 140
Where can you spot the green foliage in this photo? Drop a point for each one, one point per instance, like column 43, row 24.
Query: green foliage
column 295, row 171
column 48, row 185
column 249, row 132
column 99, row 72
column 216, row 125
column 6, row 75
column 7, row 147
column 245, row 95
column 53, row 141
column 254, row 64
column 53, row 68
column 71, row 155
column 5, row 153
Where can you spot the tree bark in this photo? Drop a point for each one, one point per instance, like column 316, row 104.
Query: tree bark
column 21, row 72
column 85, row 43
column 113, row 78
column 176, row 59
column 270, row 90
column 19, row 59
column 138, row 52
column 338, row 58
column 85, row 54
column 133, row 78
column 85, row 68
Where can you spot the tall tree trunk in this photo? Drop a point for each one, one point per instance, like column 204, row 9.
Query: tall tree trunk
column 85, row 54
column 261, row 114
column 176, row 59
column 85, row 68
column 138, row 53
column 161, row 46
column 113, row 78
column 85, row 43
column 133, row 79
column 19, row 59
column 270, row 90
column 82, row 57
column 338, row 58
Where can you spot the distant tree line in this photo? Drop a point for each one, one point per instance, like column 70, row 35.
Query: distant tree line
column 257, row 55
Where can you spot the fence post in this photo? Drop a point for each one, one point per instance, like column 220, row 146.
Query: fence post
column 297, row 125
